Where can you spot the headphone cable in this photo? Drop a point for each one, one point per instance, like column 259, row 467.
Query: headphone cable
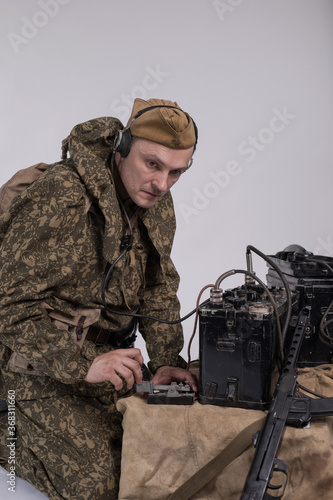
column 126, row 245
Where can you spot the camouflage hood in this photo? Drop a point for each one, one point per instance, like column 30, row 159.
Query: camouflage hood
column 90, row 147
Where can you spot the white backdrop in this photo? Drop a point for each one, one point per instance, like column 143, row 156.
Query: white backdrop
column 257, row 77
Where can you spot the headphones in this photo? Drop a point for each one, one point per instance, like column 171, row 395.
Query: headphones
column 123, row 138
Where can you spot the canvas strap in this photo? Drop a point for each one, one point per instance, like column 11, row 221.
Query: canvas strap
column 239, row 444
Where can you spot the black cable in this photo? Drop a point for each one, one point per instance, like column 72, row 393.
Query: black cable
column 318, row 261
column 135, row 315
column 325, row 337
column 284, row 281
column 126, row 245
column 144, row 316
column 305, row 389
column 269, row 295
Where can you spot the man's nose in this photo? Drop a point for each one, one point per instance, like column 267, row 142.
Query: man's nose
column 161, row 181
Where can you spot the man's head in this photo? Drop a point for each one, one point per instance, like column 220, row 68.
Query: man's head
column 154, row 149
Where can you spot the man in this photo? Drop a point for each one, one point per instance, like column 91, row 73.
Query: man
column 84, row 247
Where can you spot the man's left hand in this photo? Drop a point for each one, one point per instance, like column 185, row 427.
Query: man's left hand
column 166, row 374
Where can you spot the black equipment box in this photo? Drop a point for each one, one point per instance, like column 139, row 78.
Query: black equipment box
column 312, row 276
column 238, row 341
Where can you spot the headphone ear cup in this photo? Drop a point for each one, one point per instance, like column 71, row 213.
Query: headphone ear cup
column 123, row 142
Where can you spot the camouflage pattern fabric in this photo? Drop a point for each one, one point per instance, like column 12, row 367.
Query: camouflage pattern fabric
column 54, row 257
column 69, row 447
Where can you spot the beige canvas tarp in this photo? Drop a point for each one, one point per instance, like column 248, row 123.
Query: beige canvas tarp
column 165, row 445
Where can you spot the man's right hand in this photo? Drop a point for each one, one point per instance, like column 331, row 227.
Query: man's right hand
column 112, row 365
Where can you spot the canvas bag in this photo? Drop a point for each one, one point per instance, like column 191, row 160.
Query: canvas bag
column 18, row 183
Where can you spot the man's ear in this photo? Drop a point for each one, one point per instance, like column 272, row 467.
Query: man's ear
column 117, row 158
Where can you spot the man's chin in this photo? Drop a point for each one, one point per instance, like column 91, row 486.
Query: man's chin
column 147, row 201
column 147, row 204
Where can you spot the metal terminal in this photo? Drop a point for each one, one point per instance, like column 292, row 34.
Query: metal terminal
column 216, row 296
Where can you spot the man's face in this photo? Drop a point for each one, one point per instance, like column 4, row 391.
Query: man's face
column 150, row 170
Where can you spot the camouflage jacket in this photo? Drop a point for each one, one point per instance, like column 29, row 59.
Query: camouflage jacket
column 58, row 239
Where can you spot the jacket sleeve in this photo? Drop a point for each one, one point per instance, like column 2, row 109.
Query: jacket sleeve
column 39, row 254
column 163, row 341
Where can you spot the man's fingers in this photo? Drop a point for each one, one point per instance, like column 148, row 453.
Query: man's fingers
column 133, row 353
column 167, row 374
column 193, row 381
column 125, row 363
column 116, row 381
column 129, row 369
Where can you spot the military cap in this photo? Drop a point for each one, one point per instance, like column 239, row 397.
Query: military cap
column 169, row 126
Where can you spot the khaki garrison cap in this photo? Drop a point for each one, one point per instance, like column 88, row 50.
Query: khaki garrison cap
column 173, row 128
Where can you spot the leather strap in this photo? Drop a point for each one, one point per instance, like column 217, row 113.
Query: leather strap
column 239, row 444
column 98, row 335
column 121, row 338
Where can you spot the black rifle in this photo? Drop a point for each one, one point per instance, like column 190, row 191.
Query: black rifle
column 284, row 409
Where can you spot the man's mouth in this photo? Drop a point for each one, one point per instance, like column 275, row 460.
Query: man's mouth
column 152, row 195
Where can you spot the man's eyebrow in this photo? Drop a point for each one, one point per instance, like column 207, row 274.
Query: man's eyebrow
column 155, row 157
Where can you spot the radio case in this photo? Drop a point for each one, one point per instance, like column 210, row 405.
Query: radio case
column 312, row 277
column 237, row 348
